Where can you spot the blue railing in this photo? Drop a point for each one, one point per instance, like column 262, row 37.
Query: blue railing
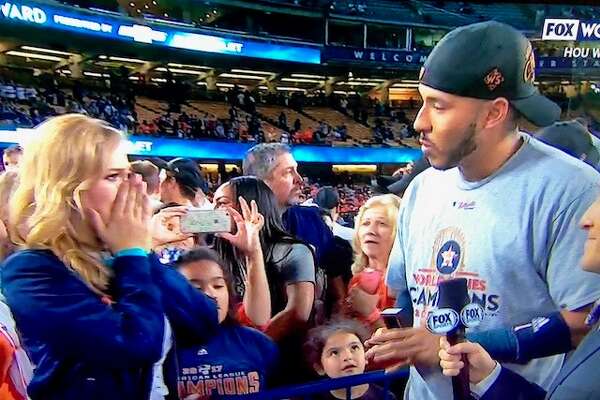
column 305, row 391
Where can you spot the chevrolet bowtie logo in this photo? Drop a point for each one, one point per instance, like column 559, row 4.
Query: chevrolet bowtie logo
column 142, row 33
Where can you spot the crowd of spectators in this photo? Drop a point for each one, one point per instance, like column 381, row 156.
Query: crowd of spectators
column 27, row 106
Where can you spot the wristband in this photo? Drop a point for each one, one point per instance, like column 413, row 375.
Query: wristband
column 543, row 337
column 501, row 343
column 132, row 251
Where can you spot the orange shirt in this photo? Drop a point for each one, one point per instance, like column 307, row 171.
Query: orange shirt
column 7, row 388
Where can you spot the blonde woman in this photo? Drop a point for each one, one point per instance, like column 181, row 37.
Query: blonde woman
column 94, row 309
column 375, row 231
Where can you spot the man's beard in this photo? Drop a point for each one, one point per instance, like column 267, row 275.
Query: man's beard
column 466, row 146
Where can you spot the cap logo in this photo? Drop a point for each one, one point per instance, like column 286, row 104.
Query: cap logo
column 529, row 72
column 493, row 79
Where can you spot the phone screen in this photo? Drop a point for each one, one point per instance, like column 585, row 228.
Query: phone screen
column 206, row 221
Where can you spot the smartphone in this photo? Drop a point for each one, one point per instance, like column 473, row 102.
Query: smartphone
column 392, row 317
column 206, row 221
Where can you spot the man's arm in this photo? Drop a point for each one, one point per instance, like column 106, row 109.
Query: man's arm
column 575, row 320
column 296, row 313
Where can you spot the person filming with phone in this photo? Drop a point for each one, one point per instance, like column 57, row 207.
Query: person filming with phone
column 289, row 264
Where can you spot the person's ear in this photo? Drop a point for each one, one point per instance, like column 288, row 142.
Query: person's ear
column 497, row 113
column 319, row 369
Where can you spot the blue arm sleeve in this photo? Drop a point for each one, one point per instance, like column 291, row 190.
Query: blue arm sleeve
column 511, row 385
column 192, row 314
column 52, row 306
column 542, row 337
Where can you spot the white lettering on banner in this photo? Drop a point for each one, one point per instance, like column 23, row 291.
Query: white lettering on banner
column 139, row 146
column 590, row 31
column 211, row 44
column 82, row 24
column 386, row 57
column 23, row 13
column 581, row 52
column 560, row 29
column 142, row 33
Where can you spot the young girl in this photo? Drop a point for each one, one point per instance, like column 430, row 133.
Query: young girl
column 335, row 350
column 94, row 309
column 238, row 360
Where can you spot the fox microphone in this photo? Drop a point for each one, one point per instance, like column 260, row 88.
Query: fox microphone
column 454, row 314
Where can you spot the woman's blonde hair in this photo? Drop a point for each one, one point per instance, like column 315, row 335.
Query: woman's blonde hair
column 69, row 152
column 8, row 183
column 391, row 204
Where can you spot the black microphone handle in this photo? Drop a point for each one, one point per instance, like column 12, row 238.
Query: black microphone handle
column 460, row 384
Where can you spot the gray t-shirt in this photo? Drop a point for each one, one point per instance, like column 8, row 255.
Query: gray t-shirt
column 513, row 235
column 291, row 263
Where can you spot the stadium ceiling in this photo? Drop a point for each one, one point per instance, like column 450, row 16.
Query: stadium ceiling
column 157, row 67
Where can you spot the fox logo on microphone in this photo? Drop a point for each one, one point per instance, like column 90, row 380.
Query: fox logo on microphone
column 442, row 320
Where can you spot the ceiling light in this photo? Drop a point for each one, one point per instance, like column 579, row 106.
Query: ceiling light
column 354, row 83
column 240, row 76
column 188, row 66
column 366, row 80
column 179, row 71
column 49, row 51
column 95, row 74
column 33, row 55
column 247, row 71
column 308, row 76
column 291, row 89
column 129, row 60
column 228, row 85
column 300, row 80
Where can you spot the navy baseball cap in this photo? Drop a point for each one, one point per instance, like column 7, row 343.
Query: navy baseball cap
column 572, row 138
column 485, row 61
column 327, row 197
column 186, row 172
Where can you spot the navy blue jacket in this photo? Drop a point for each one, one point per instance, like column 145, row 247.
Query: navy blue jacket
column 85, row 348
column 306, row 224
column 577, row 379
